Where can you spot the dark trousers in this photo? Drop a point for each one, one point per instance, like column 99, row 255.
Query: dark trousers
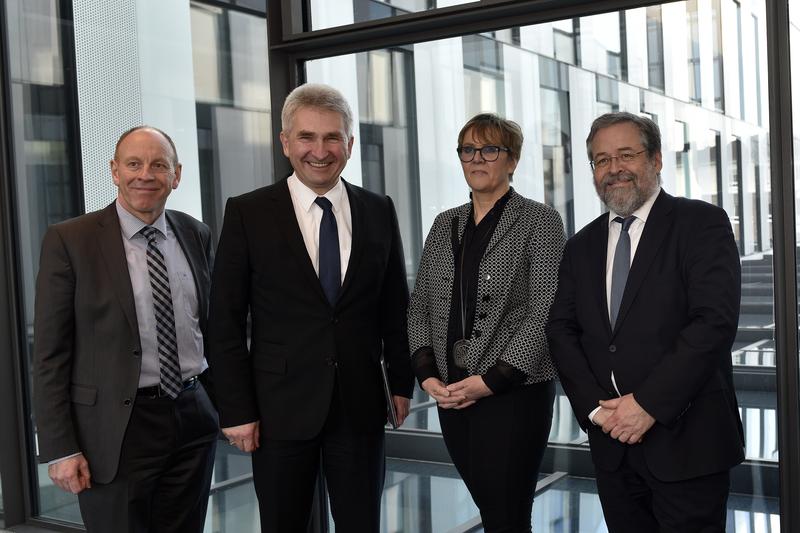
column 497, row 446
column 634, row 501
column 164, row 470
column 285, row 473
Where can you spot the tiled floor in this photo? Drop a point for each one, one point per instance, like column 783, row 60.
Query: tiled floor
column 430, row 498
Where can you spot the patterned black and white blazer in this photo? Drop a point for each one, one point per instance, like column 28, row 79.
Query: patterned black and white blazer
column 518, row 277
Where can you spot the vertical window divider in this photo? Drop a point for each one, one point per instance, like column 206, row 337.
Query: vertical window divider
column 785, row 264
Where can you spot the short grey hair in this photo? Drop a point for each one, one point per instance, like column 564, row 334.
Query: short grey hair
column 650, row 134
column 319, row 96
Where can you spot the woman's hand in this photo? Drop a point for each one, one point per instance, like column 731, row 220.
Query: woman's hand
column 437, row 390
column 471, row 389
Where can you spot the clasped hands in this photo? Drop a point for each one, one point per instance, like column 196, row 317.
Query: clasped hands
column 457, row 395
column 624, row 419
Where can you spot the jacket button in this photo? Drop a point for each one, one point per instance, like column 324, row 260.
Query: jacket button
column 477, row 333
column 481, row 315
column 137, row 353
column 127, row 402
column 486, row 298
column 331, row 361
column 612, row 348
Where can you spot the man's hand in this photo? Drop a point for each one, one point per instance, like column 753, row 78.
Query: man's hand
column 71, row 475
column 472, row 389
column 244, row 437
column 602, row 415
column 437, row 390
column 401, row 407
column 629, row 422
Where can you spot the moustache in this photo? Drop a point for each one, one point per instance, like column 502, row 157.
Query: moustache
column 617, row 178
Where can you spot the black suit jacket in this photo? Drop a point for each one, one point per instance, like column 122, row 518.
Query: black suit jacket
column 298, row 343
column 87, row 353
column 671, row 343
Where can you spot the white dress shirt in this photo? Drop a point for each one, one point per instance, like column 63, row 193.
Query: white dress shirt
column 635, row 233
column 309, row 217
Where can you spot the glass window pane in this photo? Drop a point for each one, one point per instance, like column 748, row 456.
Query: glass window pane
column 554, row 91
column 220, row 116
column 45, row 185
column 332, row 13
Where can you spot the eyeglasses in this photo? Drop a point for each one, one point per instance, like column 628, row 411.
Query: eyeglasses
column 625, row 157
column 488, row 153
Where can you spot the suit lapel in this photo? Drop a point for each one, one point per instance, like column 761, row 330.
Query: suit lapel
column 658, row 223
column 288, row 227
column 193, row 250
column 357, row 246
column 109, row 240
column 506, row 222
column 598, row 255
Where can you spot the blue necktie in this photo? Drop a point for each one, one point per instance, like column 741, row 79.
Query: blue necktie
column 330, row 266
column 622, row 264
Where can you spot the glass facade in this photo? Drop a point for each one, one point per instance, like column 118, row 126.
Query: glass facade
column 554, row 85
column 697, row 67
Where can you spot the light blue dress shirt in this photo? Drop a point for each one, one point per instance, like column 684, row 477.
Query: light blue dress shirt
column 184, row 298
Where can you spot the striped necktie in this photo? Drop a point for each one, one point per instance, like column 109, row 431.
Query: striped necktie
column 171, row 382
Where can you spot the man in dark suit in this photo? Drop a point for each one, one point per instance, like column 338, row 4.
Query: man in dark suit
column 317, row 264
column 121, row 304
column 641, row 330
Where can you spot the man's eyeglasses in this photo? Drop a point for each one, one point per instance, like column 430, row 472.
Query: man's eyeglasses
column 488, row 153
column 605, row 161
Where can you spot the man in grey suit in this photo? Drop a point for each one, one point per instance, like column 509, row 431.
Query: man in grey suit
column 119, row 344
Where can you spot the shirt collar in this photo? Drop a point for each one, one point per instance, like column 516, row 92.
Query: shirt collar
column 642, row 213
column 305, row 197
column 131, row 225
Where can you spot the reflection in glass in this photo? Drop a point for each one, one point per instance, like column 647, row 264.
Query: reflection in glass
column 536, row 84
column 332, row 13
column 231, row 79
column 46, row 187
column 693, row 44
column 655, row 48
column 716, row 42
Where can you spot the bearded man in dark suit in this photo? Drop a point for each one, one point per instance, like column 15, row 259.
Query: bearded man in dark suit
column 641, row 331
column 121, row 304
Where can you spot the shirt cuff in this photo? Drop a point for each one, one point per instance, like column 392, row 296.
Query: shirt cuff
column 591, row 415
column 502, row 377
column 423, row 362
column 54, row 461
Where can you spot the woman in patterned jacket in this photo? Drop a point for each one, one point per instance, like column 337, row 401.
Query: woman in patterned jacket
column 476, row 326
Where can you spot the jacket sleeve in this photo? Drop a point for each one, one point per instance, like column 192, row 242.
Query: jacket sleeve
column 394, row 304
column 53, row 345
column 230, row 360
column 713, row 284
column 420, row 337
column 563, row 335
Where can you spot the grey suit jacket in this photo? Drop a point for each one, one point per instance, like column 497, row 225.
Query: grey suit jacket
column 87, row 353
column 518, row 275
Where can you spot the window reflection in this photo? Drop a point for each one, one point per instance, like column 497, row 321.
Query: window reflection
column 558, row 78
column 231, row 79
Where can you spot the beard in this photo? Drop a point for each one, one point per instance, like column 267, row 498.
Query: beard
column 624, row 201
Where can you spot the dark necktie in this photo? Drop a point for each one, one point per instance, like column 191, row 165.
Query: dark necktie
column 622, row 264
column 170, row 368
column 330, row 266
